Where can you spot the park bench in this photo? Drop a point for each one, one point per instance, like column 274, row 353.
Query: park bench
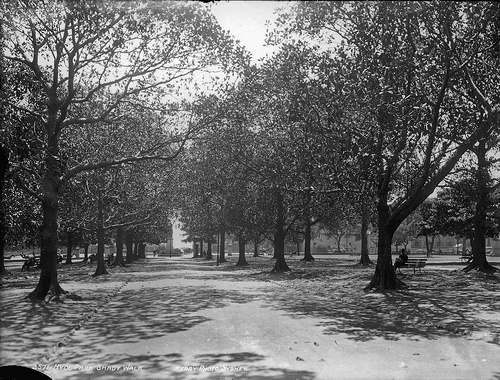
column 466, row 257
column 415, row 262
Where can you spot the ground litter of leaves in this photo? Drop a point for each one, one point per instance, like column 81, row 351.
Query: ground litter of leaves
column 437, row 301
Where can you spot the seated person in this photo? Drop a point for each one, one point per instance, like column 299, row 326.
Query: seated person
column 110, row 259
column 30, row 262
column 401, row 260
column 468, row 254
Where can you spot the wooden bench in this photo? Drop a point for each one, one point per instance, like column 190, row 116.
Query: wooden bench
column 466, row 257
column 415, row 262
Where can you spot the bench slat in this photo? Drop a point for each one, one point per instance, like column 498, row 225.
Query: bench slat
column 416, row 262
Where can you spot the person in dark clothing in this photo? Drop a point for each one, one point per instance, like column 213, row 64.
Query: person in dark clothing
column 401, row 260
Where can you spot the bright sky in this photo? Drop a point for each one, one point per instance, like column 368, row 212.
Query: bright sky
column 246, row 21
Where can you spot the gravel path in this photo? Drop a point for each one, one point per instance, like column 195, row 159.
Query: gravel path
column 186, row 319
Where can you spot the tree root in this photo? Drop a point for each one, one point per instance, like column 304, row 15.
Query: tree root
column 376, row 285
column 308, row 259
column 100, row 272
column 484, row 268
column 362, row 263
column 380, row 289
column 280, row 267
column 55, row 294
column 60, row 298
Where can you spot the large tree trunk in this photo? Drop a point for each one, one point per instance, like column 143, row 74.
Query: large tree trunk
column 136, row 247
column 209, row 249
column 202, row 253
column 384, row 277
column 69, row 247
column 339, row 242
column 119, row 248
column 86, row 252
column 479, row 261
column 365, row 258
column 4, row 165
column 101, row 264
column 307, row 232
column 142, row 250
column 196, row 252
column 464, row 246
column 129, row 245
column 48, row 282
column 429, row 245
column 279, row 236
column 307, row 241
column 255, row 248
column 242, row 260
column 222, row 247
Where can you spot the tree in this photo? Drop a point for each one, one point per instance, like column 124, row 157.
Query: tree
column 339, row 229
column 18, row 145
column 429, row 222
column 483, row 201
column 91, row 59
column 288, row 153
column 198, row 194
column 407, row 230
column 365, row 216
column 454, row 213
column 134, row 198
column 403, row 64
column 75, row 215
column 4, row 164
column 433, row 145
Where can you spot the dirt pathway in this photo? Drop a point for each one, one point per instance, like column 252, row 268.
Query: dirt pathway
column 188, row 320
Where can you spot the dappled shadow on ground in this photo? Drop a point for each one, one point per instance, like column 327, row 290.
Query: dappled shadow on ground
column 149, row 300
column 79, row 272
column 240, row 365
column 41, row 326
column 141, row 314
column 20, row 327
column 437, row 303
column 259, row 269
column 170, row 367
column 125, row 366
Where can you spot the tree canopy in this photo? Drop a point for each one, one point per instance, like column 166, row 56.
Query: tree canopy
column 362, row 111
